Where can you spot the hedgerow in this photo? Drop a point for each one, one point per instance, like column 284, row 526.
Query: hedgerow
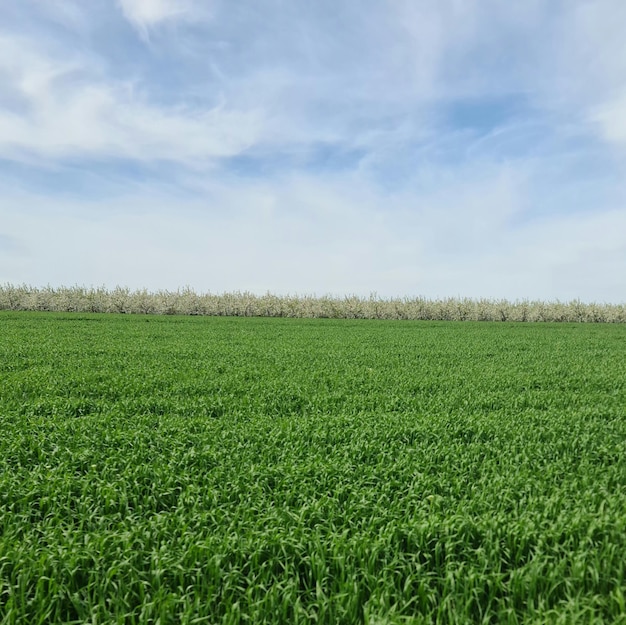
column 244, row 304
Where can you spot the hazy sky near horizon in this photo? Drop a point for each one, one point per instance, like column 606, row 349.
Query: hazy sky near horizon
column 472, row 148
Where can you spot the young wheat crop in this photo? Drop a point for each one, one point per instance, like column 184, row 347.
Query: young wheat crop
column 218, row 470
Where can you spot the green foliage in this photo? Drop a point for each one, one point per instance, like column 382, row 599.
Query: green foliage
column 220, row 470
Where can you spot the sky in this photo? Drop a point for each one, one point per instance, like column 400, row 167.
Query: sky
column 403, row 148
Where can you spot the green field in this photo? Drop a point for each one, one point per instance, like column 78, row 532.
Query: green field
column 221, row 470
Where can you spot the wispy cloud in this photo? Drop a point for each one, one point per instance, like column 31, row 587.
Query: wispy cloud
column 611, row 116
column 147, row 14
column 60, row 109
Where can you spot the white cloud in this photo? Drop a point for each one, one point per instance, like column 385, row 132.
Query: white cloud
column 305, row 235
column 145, row 14
column 611, row 117
column 67, row 110
column 581, row 75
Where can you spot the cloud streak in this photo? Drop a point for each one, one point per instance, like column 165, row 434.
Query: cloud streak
column 145, row 15
column 61, row 111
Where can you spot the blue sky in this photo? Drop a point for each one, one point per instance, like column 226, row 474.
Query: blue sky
column 472, row 148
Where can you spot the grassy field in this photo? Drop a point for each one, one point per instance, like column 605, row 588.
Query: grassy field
column 220, row 470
